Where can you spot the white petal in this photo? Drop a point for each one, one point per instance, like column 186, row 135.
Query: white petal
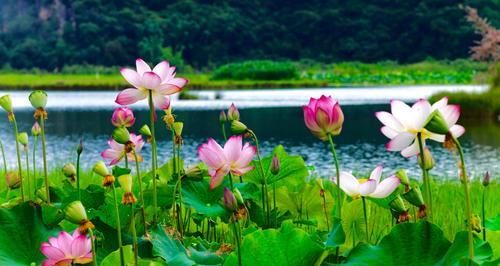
column 421, row 111
column 131, row 77
column 457, row 130
column 411, row 150
column 376, row 173
column 389, row 120
column 451, row 113
column 388, row 132
column 401, row 141
column 150, row 80
column 130, row 96
column 367, row 187
column 386, row 187
column 402, row 112
column 436, row 137
column 348, row 183
column 142, row 67
column 162, row 69
column 439, row 104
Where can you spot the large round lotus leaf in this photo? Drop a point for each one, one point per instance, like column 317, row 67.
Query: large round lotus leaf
column 21, row 234
column 458, row 252
column 206, row 201
column 287, row 246
column 407, row 244
column 113, row 258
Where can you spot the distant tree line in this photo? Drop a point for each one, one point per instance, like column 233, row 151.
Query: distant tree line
column 50, row 34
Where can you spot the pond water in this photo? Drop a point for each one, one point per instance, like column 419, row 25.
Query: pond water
column 275, row 120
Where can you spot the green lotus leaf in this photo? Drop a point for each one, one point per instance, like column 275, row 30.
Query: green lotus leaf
column 113, row 258
column 336, row 236
column 291, row 167
column 206, row 201
column 51, row 215
column 287, row 246
column 459, row 250
column 21, row 234
column 493, row 224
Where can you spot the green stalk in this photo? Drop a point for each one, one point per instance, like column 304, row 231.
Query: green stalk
column 141, row 192
column 118, row 227
column 35, row 142
column 339, row 195
column 179, row 207
column 223, row 129
column 20, row 170
column 44, row 152
column 134, row 235
column 78, row 176
column 263, row 174
column 483, row 212
column 366, row 219
column 28, row 171
column 468, row 209
column 274, row 206
column 236, row 225
column 425, row 173
column 91, row 235
column 3, row 157
column 326, row 212
column 153, row 152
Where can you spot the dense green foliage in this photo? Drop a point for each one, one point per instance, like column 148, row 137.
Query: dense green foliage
column 257, row 70
column 50, row 34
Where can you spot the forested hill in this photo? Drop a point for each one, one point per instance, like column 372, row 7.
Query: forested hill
column 52, row 33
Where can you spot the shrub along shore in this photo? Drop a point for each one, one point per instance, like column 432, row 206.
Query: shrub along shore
column 261, row 74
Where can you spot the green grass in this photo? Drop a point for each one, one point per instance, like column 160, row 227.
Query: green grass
column 270, row 75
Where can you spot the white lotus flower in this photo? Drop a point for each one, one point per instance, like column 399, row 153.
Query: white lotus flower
column 404, row 123
column 371, row 187
column 450, row 113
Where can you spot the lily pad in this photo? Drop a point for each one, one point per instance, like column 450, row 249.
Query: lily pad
column 287, row 246
column 459, row 250
column 206, row 201
column 21, row 234
column 336, row 236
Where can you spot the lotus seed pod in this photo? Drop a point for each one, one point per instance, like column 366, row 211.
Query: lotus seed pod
column 23, row 138
column 121, row 135
column 6, row 103
column 75, row 212
column 38, row 99
column 100, row 169
column 238, row 128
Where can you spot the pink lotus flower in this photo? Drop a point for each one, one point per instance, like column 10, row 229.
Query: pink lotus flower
column 66, row 249
column 371, row 187
column 404, row 123
column 234, row 158
column 123, row 116
column 161, row 81
column 117, row 151
column 450, row 113
column 323, row 117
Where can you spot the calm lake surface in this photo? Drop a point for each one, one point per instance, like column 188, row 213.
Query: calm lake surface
column 275, row 119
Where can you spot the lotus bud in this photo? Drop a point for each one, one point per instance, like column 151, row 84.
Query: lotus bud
column 38, row 99
column 436, row 123
column 398, row 204
column 145, row 131
column 178, row 128
column 126, row 184
column 75, row 213
column 230, row 201
column 238, row 128
column 123, row 117
column 121, row 135
column 486, row 179
column 69, row 171
column 12, row 179
column 79, row 148
column 6, row 103
column 238, row 196
column 222, row 117
column 323, row 117
column 428, row 162
column 275, row 165
column 36, row 130
column 414, row 197
column 194, row 173
column 233, row 114
column 23, row 138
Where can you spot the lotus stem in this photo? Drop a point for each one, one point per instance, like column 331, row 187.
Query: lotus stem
column 274, row 206
column 3, row 158
column 78, row 176
column 92, row 241
column 236, row 226
column 263, row 175
column 44, row 153
column 19, row 165
column 426, row 179
column 28, row 171
column 118, row 227
column 468, row 205
column 141, row 192
column 366, row 219
column 35, row 142
column 134, row 235
column 153, row 152
column 336, row 161
column 483, row 213
column 326, row 212
column 179, row 206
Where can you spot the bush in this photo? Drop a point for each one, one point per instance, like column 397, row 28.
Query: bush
column 257, row 70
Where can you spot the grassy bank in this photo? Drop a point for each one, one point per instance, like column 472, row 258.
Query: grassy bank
column 266, row 74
